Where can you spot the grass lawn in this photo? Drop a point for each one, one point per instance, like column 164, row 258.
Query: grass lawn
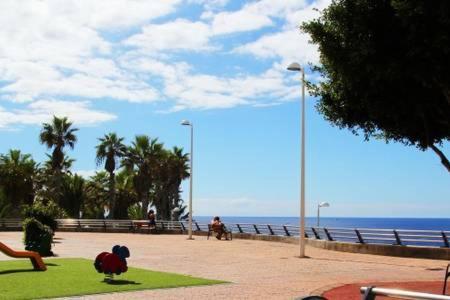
column 77, row 276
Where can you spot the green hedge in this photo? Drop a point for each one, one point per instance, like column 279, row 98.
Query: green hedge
column 37, row 237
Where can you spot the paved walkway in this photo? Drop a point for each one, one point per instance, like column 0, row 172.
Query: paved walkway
column 256, row 269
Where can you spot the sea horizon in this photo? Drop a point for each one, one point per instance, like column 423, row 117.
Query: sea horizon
column 416, row 223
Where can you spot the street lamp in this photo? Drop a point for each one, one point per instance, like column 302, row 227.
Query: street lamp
column 191, row 158
column 296, row 67
column 323, row 204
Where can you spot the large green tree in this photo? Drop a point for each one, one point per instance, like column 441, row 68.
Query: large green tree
column 143, row 157
column 385, row 65
column 110, row 149
column 17, row 172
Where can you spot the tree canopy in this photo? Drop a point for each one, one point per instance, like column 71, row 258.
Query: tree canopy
column 385, row 68
column 137, row 176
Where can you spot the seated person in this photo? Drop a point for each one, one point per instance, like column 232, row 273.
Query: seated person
column 219, row 228
column 151, row 219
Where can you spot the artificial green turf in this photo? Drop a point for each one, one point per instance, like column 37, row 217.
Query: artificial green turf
column 77, row 276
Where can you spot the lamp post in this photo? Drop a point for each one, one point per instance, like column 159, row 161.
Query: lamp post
column 297, row 68
column 191, row 158
column 323, row 204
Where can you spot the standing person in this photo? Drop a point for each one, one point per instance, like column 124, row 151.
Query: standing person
column 151, row 219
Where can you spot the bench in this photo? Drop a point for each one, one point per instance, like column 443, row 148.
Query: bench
column 11, row 224
column 218, row 228
column 139, row 225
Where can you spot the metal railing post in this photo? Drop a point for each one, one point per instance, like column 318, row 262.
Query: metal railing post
column 360, row 238
column 256, row 229
column 397, row 238
column 270, row 229
column 240, row 229
column 316, row 234
column 329, row 237
column 286, row 230
column 444, row 237
column 198, row 227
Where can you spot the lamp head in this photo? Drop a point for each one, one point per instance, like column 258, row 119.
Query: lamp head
column 294, row 67
column 324, row 204
column 185, row 123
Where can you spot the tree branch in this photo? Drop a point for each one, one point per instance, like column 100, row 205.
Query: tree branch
column 444, row 160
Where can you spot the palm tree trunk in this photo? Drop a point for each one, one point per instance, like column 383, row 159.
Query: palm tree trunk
column 144, row 201
column 112, row 195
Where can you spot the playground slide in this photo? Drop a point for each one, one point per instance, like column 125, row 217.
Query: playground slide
column 35, row 258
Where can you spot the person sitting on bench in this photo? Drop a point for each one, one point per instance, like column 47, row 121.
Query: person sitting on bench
column 151, row 219
column 219, row 228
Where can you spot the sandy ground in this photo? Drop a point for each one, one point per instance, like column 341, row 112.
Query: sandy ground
column 256, row 269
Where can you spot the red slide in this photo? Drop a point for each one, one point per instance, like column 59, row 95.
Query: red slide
column 35, row 258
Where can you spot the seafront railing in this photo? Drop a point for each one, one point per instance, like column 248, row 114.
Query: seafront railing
column 400, row 237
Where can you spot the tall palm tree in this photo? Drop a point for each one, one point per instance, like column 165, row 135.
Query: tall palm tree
column 57, row 135
column 143, row 157
column 17, row 172
column 109, row 150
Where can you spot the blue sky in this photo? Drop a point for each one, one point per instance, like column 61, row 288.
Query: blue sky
column 140, row 67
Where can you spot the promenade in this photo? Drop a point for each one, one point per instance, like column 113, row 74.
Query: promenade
column 255, row 269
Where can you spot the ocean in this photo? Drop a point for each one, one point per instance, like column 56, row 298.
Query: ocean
column 382, row 223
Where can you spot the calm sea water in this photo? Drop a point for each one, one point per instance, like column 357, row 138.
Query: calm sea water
column 387, row 223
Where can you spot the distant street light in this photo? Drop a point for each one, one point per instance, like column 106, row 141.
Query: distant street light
column 296, row 67
column 323, row 204
column 191, row 159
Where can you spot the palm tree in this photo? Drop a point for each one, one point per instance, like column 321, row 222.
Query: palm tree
column 109, row 150
column 56, row 135
column 125, row 195
column 143, row 157
column 17, row 172
column 73, row 195
column 96, row 195
column 172, row 170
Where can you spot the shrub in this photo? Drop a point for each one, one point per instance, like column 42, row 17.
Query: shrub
column 44, row 213
column 37, row 237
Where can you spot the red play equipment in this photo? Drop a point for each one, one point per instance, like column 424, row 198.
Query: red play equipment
column 35, row 258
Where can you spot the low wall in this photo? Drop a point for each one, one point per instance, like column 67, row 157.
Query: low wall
column 386, row 250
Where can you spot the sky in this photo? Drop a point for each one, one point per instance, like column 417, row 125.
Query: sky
column 140, row 67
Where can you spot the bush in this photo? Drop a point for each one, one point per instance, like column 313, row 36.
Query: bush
column 37, row 237
column 44, row 213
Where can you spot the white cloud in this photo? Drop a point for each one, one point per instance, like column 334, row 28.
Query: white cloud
column 242, row 20
column 191, row 90
column 43, row 110
column 210, row 4
column 177, row 35
column 290, row 45
column 252, row 16
column 53, row 51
